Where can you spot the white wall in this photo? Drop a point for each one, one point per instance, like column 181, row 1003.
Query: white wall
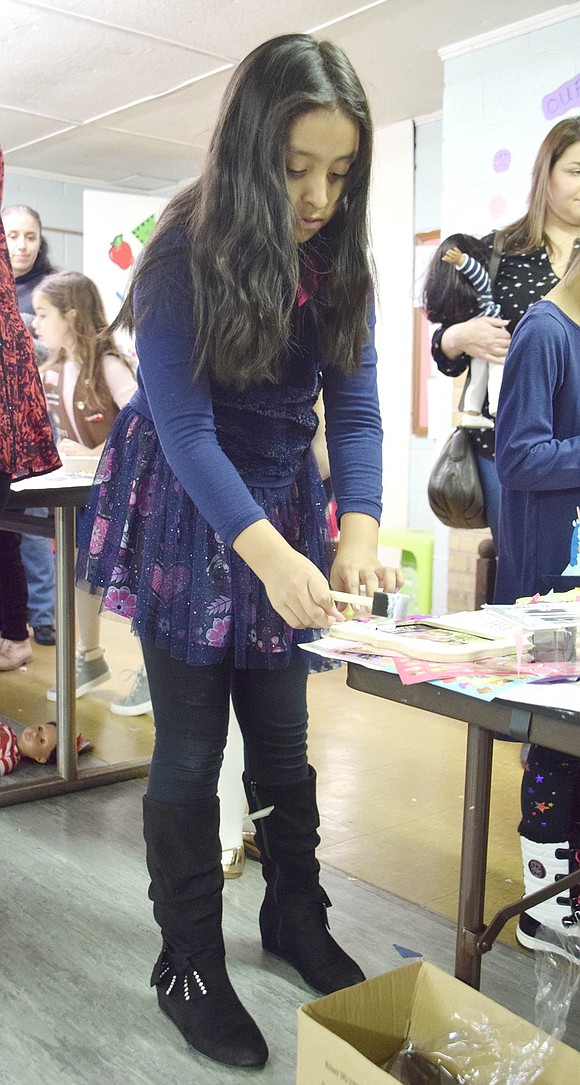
column 393, row 245
column 493, row 124
column 493, row 117
column 428, row 143
column 428, row 140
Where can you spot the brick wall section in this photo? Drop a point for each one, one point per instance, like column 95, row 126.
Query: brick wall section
column 463, row 547
column 463, row 554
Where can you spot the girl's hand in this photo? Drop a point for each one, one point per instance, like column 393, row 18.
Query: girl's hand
column 73, row 448
column 355, row 569
column 297, row 590
column 300, row 594
column 357, row 564
column 482, row 337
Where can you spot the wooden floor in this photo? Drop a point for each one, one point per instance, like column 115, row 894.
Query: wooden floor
column 390, row 778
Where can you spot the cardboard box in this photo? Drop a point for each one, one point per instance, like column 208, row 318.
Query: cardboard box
column 343, row 1037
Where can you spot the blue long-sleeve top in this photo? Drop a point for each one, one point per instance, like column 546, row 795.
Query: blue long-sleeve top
column 538, row 451
column 220, row 441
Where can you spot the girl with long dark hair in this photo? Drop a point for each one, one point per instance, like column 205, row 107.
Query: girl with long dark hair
column 208, row 510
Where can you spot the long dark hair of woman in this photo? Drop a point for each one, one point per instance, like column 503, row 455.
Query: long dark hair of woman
column 240, row 225
column 448, row 297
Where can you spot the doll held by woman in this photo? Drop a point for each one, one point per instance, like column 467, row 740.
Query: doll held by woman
column 462, row 288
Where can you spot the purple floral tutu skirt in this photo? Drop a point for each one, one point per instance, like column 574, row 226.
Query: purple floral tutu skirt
column 158, row 561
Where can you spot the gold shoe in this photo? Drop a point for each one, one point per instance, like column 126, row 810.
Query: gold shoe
column 233, row 862
column 14, row 654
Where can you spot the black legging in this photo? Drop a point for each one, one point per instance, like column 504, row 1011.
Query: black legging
column 551, row 797
column 13, row 588
column 5, row 481
column 191, row 709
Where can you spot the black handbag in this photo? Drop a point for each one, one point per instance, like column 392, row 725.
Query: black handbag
column 454, row 490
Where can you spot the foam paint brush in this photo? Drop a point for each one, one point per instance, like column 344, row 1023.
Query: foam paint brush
column 383, row 604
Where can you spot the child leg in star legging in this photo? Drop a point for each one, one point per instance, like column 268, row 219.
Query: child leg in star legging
column 550, row 840
column 550, row 797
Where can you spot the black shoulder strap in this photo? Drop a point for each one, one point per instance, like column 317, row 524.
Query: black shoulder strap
column 495, row 259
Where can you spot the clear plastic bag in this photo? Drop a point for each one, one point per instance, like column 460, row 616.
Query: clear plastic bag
column 413, row 1067
column 475, row 1052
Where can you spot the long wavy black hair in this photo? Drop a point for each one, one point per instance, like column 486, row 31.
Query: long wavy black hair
column 448, row 297
column 240, row 224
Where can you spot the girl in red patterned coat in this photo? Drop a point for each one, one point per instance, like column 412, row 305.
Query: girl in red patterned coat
column 26, row 445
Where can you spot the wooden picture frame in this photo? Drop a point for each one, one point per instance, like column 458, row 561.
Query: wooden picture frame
column 425, row 245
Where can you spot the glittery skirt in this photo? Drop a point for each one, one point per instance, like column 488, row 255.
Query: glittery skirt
column 159, row 562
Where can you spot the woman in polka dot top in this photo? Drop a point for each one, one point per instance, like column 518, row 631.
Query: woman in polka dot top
column 535, row 251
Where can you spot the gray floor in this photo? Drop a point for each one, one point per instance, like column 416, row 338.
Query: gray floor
column 79, row 942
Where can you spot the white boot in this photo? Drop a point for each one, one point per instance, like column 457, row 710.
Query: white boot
column 543, row 865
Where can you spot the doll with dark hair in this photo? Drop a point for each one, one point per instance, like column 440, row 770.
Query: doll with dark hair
column 458, row 283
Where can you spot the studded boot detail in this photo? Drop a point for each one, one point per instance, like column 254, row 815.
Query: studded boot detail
column 544, row 864
column 293, row 917
column 193, row 987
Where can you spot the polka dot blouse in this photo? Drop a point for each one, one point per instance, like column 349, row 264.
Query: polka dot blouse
column 521, row 280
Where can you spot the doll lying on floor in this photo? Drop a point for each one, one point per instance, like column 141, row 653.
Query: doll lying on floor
column 37, row 743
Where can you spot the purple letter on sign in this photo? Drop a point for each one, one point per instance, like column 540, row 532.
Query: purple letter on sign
column 561, row 100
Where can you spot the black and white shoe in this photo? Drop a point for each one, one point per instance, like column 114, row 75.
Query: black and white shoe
column 542, row 939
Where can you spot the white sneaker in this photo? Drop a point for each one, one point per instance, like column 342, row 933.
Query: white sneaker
column 91, row 671
column 138, row 701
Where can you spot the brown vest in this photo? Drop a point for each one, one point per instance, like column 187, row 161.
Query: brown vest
column 92, row 422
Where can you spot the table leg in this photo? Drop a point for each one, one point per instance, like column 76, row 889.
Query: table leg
column 470, row 923
column 64, row 530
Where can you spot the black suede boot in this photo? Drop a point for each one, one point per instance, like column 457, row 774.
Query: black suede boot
column 193, row 987
column 293, row 916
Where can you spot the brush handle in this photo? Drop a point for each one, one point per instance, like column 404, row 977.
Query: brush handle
column 355, row 600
